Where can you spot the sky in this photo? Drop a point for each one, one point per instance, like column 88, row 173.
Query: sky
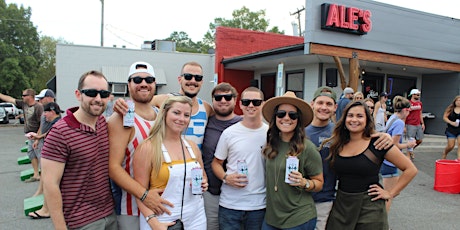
column 130, row 23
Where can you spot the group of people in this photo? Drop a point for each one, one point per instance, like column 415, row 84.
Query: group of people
column 277, row 174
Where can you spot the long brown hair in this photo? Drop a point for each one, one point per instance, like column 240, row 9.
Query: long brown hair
column 452, row 106
column 341, row 135
column 296, row 144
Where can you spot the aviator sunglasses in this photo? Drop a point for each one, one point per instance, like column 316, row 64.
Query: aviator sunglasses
column 138, row 80
column 281, row 114
column 227, row 97
column 94, row 93
column 189, row 76
column 255, row 102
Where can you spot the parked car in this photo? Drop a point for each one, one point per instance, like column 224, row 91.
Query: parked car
column 12, row 110
column 4, row 116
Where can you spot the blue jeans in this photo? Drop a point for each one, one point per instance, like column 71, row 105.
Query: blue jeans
column 309, row 225
column 230, row 219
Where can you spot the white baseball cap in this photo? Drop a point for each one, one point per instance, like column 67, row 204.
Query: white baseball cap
column 141, row 67
column 414, row 91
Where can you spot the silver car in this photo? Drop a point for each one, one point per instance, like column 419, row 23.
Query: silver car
column 4, row 116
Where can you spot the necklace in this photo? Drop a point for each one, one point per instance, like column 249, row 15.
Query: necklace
column 277, row 175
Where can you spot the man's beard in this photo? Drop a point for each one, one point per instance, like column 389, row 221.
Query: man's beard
column 191, row 95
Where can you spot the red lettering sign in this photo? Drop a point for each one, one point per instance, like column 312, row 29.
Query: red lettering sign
column 345, row 19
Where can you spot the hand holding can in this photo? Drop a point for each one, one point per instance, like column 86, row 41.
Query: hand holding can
column 197, row 178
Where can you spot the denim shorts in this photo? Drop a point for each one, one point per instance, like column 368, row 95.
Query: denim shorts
column 450, row 135
column 388, row 171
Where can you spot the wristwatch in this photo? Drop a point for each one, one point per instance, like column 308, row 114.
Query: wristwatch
column 307, row 184
column 223, row 179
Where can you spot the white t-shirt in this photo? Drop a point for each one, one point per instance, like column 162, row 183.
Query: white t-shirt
column 241, row 143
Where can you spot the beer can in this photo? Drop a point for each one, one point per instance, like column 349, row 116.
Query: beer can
column 128, row 118
column 242, row 167
column 411, row 140
column 292, row 164
column 197, row 178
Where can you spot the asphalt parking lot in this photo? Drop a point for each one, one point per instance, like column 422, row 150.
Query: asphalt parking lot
column 419, row 206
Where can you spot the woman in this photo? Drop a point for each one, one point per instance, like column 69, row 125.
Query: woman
column 159, row 162
column 360, row 201
column 452, row 118
column 370, row 104
column 380, row 112
column 358, row 96
column 289, row 201
column 395, row 127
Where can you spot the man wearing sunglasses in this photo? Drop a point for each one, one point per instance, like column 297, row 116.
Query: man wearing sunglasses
column 190, row 81
column 123, row 142
column 75, row 161
column 224, row 100
column 242, row 200
column 32, row 113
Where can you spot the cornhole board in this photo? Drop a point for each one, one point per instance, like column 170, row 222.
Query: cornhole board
column 23, row 160
column 24, row 149
column 26, row 174
column 33, row 204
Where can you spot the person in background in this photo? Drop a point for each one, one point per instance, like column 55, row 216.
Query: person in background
column 123, row 141
column 76, row 145
column 380, row 112
column 360, row 200
column 395, row 127
column 289, row 203
column 358, row 96
column 343, row 102
column 452, row 118
column 242, row 200
column 32, row 113
column 224, row 100
column 320, row 129
column 370, row 104
column 52, row 114
column 164, row 160
column 109, row 110
column 415, row 126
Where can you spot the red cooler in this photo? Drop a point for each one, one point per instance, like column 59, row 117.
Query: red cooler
column 447, row 176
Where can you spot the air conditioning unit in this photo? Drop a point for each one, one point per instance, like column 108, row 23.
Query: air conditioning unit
column 119, row 88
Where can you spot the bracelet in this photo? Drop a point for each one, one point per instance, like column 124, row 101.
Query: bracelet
column 144, row 195
column 150, row 217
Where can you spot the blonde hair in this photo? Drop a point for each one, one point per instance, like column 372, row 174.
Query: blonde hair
column 356, row 95
column 158, row 130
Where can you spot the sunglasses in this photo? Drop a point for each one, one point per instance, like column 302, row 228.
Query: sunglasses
column 138, row 80
column 94, row 93
column 218, row 97
column 281, row 114
column 189, row 76
column 255, row 102
column 371, row 107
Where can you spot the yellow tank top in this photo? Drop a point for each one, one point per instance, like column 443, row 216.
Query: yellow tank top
column 161, row 180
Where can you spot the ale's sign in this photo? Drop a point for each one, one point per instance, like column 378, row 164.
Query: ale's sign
column 345, row 19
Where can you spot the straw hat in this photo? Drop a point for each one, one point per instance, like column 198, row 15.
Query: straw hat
column 288, row 98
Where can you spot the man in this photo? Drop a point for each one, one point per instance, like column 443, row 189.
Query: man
column 123, row 142
column 320, row 129
column 224, row 101
column 242, row 201
column 45, row 96
column 415, row 126
column 190, row 81
column 343, row 102
column 32, row 113
column 75, row 161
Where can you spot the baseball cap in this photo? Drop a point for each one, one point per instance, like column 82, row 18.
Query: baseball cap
column 45, row 93
column 383, row 94
column 414, row 91
column 141, row 67
column 52, row 106
column 348, row 90
column 325, row 91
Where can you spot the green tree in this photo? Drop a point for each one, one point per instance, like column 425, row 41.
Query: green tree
column 183, row 42
column 19, row 49
column 243, row 19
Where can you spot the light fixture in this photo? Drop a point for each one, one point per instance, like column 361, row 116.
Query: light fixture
column 363, row 71
column 404, row 68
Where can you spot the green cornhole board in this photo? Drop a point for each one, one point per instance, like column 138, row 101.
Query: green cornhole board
column 26, row 174
column 23, row 160
column 24, row 149
column 33, row 204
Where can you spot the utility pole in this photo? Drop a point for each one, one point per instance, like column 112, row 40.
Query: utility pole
column 102, row 23
column 297, row 13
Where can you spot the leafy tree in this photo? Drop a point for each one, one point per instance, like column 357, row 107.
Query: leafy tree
column 19, row 49
column 183, row 42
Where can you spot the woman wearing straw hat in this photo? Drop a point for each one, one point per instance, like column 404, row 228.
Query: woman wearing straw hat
column 289, row 200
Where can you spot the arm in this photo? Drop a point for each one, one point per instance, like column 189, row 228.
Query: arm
column 395, row 156
column 209, row 109
column 143, row 166
column 7, row 98
column 421, row 119
column 376, row 109
column 235, row 180
column 446, row 119
column 406, row 145
column 52, row 172
column 158, row 100
column 118, row 140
